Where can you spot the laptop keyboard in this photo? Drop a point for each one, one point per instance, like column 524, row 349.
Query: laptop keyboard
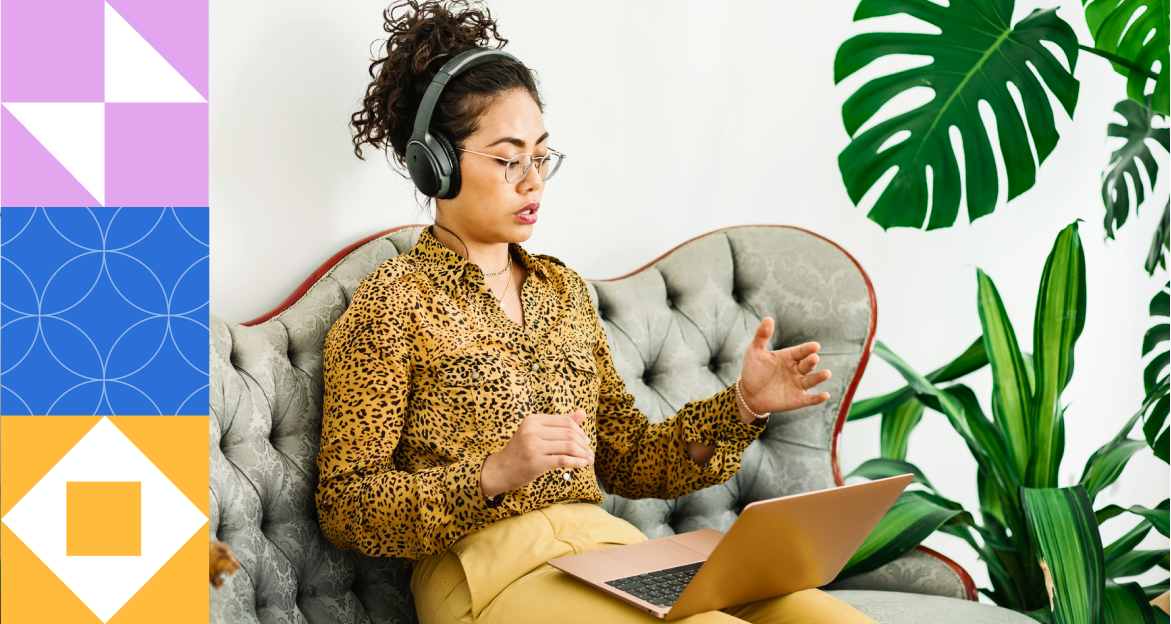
column 660, row 588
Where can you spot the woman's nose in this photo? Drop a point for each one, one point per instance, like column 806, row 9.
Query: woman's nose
column 532, row 179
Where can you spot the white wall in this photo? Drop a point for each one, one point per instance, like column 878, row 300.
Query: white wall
column 728, row 115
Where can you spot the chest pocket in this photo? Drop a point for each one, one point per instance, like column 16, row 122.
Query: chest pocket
column 580, row 360
column 475, row 388
column 582, row 379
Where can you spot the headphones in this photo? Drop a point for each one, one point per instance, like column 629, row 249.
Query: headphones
column 431, row 158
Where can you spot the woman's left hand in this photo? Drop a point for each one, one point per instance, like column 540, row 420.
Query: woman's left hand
column 777, row 381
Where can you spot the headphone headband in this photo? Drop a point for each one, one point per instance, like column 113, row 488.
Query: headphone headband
column 456, row 66
column 431, row 159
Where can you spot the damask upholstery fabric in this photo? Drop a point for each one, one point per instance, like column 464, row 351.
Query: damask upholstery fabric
column 888, row 607
column 677, row 332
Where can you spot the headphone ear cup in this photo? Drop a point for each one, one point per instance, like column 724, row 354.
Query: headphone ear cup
column 453, row 158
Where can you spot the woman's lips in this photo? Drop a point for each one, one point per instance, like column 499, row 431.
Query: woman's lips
column 528, row 215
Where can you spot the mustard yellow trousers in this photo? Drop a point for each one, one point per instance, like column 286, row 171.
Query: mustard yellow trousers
column 499, row 575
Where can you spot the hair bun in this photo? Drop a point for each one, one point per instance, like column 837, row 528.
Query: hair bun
column 420, row 40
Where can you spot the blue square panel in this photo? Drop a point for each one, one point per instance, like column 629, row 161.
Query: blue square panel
column 104, row 311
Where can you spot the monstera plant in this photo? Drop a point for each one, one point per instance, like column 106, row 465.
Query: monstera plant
column 976, row 55
column 1040, row 542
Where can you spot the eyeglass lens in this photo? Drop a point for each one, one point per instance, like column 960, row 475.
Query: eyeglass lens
column 519, row 165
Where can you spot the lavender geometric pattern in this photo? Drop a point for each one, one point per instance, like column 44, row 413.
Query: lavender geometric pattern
column 143, row 63
column 103, row 311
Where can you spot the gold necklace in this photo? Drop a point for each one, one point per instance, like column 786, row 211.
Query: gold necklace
column 506, row 267
column 506, row 284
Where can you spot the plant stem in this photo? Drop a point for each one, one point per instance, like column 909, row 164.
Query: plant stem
column 1121, row 61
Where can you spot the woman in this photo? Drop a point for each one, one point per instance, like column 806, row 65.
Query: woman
column 471, row 402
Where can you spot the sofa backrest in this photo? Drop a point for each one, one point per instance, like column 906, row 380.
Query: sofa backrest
column 677, row 329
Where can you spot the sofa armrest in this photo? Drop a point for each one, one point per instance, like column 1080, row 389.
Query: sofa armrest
column 921, row 571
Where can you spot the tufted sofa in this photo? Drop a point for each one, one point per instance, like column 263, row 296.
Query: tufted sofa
column 677, row 329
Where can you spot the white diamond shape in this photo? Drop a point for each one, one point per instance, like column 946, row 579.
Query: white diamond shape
column 169, row 519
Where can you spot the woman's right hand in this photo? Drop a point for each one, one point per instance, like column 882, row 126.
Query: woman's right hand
column 541, row 443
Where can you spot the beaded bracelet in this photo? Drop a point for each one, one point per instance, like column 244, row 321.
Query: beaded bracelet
column 736, row 384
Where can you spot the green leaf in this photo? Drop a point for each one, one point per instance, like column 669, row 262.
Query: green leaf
column 1065, row 533
column 1059, row 319
column 1031, row 371
column 1110, row 25
column 1154, row 370
column 897, row 426
column 972, row 359
column 1108, row 512
column 1043, row 615
column 908, row 522
column 1159, row 242
column 1107, row 463
column 1126, row 543
column 879, row 404
column 1126, row 603
column 984, row 434
column 1154, row 336
column 988, row 455
column 1161, row 446
column 1156, row 590
column 1125, row 160
column 974, row 58
column 991, row 505
column 1156, row 517
column 1134, row 562
column 1104, row 466
column 1155, row 429
column 1161, row 303
column 881, row 468
column 1010, row 385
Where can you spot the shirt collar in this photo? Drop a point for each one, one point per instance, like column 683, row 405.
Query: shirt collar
column 435, row 258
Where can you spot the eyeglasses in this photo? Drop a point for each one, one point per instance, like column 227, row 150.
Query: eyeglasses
column 518, row 166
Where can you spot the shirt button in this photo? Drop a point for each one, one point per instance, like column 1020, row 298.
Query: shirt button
column 536, row 367
column 566, row 476
column 476, row 375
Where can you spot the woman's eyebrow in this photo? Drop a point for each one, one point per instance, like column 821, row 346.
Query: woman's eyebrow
column 515, row 141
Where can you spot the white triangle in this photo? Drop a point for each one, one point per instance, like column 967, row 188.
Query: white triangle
column 74, row 133
column 136, row 72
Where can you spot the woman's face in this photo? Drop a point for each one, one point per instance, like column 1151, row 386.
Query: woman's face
column 488, row 209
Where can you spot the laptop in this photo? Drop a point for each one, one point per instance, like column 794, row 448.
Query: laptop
column 775, row 547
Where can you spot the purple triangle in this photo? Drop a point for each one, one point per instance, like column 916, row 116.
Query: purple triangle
column 177, row 30
column 30, row 175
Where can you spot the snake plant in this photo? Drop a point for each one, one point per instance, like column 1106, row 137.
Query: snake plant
column 1040, row 542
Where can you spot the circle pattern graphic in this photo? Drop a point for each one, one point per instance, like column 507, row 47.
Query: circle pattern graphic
column 104, row 311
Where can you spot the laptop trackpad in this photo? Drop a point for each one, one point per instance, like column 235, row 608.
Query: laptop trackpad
column 655, row 554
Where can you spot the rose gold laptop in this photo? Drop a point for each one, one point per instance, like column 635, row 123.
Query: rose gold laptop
column 775, row 547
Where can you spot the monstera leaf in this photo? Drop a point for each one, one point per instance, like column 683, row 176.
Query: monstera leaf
column 1159, row 242
column 1124, row 161
column 1141, row 42
column 974, row 58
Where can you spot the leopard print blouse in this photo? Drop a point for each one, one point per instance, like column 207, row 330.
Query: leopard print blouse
column 425, row 376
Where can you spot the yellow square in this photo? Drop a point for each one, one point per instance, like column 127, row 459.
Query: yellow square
column 103, row 518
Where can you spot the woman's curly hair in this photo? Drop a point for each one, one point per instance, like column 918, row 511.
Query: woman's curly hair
column 420, row 41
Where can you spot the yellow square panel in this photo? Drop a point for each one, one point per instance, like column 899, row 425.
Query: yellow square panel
column 103, row 518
